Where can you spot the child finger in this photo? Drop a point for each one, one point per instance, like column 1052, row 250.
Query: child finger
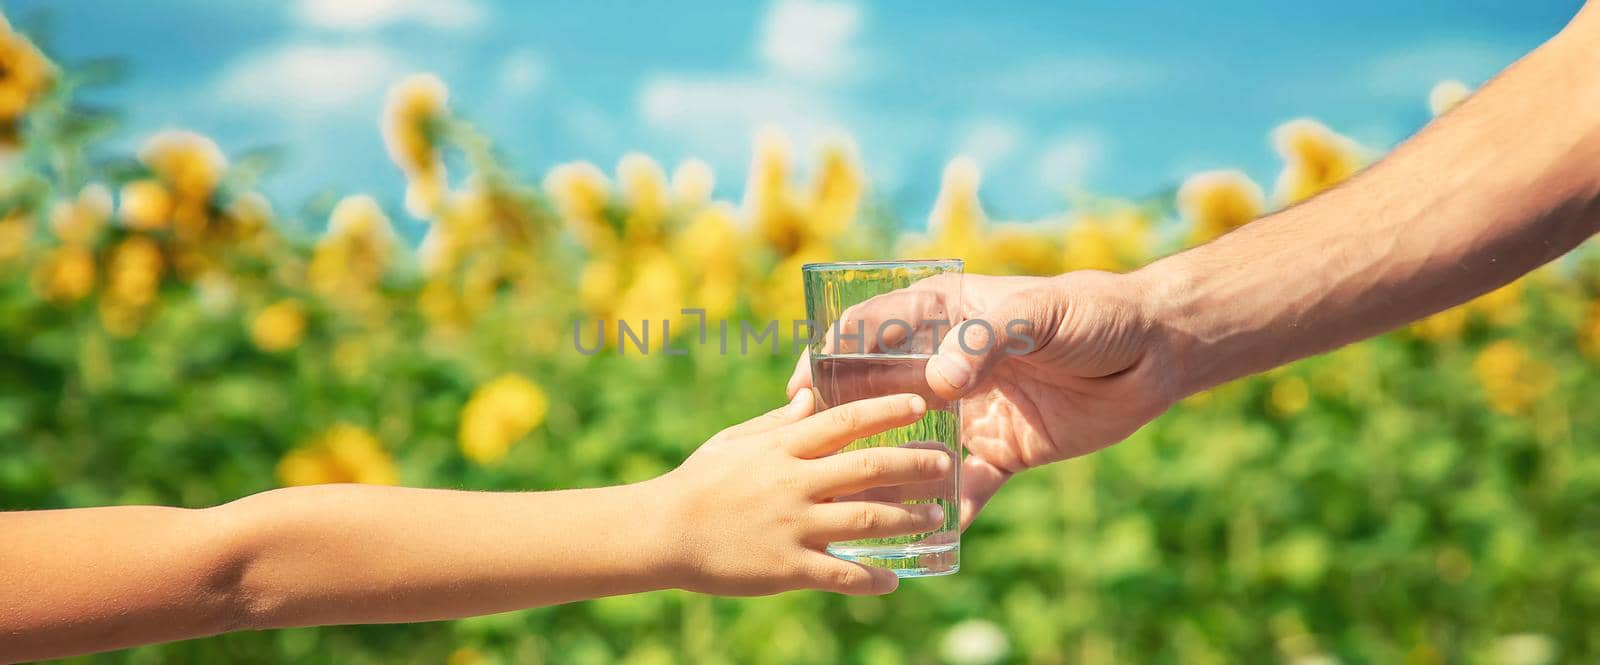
column 904, row 493
column 800, row 405
column 826, row 432
column 854, row 520
column 839, row 576
column 801, row 378
column 861, row 470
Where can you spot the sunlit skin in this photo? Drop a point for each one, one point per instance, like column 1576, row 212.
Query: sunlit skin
column 1493, row 189
column 1486, row 193
column 751, row 512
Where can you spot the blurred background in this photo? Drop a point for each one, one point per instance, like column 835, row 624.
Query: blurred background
column 256, row 244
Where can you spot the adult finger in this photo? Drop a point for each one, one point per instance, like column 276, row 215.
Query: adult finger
column 844, row 380
column 979, row 482
column 908, row 320
column 1019, row 325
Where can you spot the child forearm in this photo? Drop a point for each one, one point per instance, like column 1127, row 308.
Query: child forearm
column 75, row 581
column 751, row 512
column 359, row 554
column 79, row 581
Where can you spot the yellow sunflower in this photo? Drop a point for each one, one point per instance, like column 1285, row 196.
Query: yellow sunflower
column 343, row 454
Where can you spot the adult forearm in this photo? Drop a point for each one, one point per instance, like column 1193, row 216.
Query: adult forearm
column 1504, row 184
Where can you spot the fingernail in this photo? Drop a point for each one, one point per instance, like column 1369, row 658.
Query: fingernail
column 954, row 372
column 917, row 404
column 935, row 512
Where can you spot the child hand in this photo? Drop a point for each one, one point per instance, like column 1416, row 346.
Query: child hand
column 752, row 511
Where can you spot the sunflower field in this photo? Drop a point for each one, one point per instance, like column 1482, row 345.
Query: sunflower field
column 169, row 335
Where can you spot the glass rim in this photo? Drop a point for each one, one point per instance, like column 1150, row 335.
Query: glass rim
column 882, row 263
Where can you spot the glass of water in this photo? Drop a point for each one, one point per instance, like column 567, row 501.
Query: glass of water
column 876, row 325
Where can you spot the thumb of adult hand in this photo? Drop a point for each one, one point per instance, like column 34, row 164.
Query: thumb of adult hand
column 1021, row 324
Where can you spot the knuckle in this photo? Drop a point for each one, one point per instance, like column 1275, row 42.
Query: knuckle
column 846, row 577
column 788, row 521
column 789, row 479
column 872, row 465
column 799, row 578
column 1031, row 456
column 848, row 419
column 906, row 520
column 868, row 519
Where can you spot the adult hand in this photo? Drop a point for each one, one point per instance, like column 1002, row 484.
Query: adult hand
column 1083, row 372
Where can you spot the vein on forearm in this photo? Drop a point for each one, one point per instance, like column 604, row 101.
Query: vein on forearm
column 1482, row 196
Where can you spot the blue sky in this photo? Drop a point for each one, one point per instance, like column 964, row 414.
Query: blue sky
column 1119, row 98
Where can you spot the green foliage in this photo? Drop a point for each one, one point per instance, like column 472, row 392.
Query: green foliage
column 1376, row 504
column 1394, row 517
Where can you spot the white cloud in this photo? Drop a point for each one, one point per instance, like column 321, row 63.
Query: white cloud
column 805, row 48
column 593, row 126
column 675, row 101
column 1075, row 78
column 308, row 78
column 719, row 114
column 1067, row 161
column 810, row 38
column 1413, row 71
column 990, row 141
column 372, row 14
column 522, row 71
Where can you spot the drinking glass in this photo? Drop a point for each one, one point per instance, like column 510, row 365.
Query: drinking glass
column 876, row 325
